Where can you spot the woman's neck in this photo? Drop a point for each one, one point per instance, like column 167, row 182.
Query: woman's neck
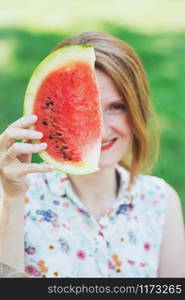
column 96, row 187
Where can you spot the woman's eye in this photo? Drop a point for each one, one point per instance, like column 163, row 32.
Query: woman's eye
column 118, row 106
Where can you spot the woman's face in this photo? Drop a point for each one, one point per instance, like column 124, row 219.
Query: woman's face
column 116, row 136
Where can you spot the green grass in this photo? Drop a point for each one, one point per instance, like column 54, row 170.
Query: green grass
column 24, row 44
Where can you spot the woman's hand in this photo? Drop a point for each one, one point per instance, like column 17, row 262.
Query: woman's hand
column 15, row 157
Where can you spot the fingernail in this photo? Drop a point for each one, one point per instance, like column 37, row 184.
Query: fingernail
column 34, row 117
column 43, row 145
column 39, row 134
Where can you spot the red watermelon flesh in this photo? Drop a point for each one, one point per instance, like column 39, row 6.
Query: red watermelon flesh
column 67, row 104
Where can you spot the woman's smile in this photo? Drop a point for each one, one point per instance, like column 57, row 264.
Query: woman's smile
column 108, row 144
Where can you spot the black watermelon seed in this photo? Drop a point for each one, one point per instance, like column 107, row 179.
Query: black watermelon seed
column 45, row 123
column 58, row 133
column 50, row 137
column 65, row 147
column 49, row 98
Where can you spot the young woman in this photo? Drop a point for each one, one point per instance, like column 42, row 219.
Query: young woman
column 116, row 222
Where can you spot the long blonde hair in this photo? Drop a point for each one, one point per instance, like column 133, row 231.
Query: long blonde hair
column 121, row 63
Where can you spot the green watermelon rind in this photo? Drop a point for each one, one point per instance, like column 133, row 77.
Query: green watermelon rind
column 67, row 168
column 36, row 79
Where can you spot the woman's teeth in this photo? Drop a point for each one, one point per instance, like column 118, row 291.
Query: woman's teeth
column 107, row 143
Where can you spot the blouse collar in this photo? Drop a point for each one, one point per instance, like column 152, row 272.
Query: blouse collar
column 61, row 186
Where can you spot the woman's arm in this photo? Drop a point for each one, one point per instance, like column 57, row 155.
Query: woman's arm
column 12, row 231
column 172, row 257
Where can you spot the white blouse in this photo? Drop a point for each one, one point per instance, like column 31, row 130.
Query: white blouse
column 62, row 239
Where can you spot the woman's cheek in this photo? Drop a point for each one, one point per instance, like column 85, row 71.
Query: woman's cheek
column 122, row 125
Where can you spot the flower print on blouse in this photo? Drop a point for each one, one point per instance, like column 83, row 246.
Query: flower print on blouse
column 62, row 239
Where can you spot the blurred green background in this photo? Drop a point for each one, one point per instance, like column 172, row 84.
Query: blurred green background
column 154, row 28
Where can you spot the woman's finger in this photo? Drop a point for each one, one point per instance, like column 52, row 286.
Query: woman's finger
column 24, row 122
column 13, row 173
column 19, row 148
column 10, row 135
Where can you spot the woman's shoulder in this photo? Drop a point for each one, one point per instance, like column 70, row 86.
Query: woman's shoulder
column 149, row 182
column 160, row 192
column 150, row 190
column 144, row 181
column 158, row 184
column 149, row 193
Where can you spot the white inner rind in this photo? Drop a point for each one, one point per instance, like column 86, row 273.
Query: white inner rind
column 51, row 63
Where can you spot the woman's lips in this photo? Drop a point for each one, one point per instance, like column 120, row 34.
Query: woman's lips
column 108, row 145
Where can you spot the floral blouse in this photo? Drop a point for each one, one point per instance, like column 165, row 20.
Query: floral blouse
column 62, row 239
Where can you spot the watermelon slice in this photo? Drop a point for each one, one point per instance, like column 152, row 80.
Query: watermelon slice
column 63, row 93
